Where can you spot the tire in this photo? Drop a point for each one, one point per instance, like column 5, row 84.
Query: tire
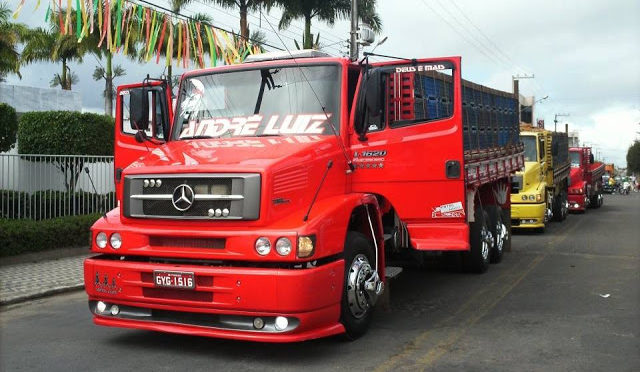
column 478, row 258
column 355, row 313
column 560, row 209
column 506, row 218
column 499, row 232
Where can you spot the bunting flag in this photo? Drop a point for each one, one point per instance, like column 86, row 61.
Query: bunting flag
column 124, row 24
column 18, row 9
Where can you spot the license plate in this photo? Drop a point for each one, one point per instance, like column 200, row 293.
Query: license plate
column 174, row 279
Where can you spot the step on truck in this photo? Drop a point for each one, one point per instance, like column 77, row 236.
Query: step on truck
column 258, row 209
column 543, row 185
column 585, row 190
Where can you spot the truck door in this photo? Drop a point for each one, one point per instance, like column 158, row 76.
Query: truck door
column 143, row 122
column 411, row 151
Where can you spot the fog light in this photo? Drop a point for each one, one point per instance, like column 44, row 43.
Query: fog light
column 115, row 309
column 532, row 197
column 152, row 183
column 101, row 240
column 101, row 307
column 258, row 323
column 281, row 323
column 145, row 183
column 306, row 246
column 524, row 197
column 575, row 205
column 263, row 246
column 283, row 246
column 116, row 241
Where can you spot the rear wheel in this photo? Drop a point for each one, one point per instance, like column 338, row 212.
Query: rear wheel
column 481, row 239
column 356, row 312
column 499, row 231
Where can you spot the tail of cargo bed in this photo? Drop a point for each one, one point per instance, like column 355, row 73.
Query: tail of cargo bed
column 489, row 118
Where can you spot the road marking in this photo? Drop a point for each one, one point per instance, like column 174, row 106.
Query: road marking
column 472, row 311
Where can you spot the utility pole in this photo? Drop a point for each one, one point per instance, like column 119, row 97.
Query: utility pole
column 353, row 51
column 555, row 120
column 515, row 83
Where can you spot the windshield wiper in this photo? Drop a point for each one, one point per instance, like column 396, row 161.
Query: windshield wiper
column 267, row 80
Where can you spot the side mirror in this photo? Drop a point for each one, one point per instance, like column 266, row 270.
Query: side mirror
column 139, row 109
column 370, row 107
column 591, row 159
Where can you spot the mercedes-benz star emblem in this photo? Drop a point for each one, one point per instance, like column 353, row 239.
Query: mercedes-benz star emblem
column 182, row 197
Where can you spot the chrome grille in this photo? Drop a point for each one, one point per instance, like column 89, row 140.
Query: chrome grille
column 211, row 196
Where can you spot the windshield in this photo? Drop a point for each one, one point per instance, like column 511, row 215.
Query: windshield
column 260, row 102
column 575, row 158
column 530, row 149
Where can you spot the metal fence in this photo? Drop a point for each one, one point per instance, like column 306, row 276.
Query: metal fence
column 47, row 186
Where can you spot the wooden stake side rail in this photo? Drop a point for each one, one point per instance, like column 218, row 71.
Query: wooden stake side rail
column 483, row 168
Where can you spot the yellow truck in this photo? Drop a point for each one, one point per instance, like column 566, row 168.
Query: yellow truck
column 542, row 187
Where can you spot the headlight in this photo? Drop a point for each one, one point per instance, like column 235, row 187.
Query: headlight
column 306, row 246
column 101, row 240
column 532, row 197
column 263, row 246
column 538, row 197
column 283, row 246
column 115, row 240
column 524, row 197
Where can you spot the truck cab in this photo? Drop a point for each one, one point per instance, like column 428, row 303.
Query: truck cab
column 542, row 195
column 265, row 206
column 586, row 180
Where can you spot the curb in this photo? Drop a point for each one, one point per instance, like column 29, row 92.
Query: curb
column 47, row 293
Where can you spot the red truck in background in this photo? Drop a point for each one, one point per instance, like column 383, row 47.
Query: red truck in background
column 266, row 207
column 585, row 190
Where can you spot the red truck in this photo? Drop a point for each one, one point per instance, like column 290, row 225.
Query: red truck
column 585, row 190
column 265, row 207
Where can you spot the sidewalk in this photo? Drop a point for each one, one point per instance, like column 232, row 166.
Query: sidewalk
column 34, row 278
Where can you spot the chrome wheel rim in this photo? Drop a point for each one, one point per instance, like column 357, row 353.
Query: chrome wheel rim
column 487, row 242
column 359, row 272
column 502, row 234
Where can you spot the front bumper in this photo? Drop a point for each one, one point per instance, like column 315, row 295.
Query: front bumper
column 577, row 202
column 224, row 303
column 527, row 215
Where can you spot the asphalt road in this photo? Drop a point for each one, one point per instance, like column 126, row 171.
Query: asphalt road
column 568, row 299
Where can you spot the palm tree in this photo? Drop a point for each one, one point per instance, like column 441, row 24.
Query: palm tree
column 243, row 5
column 108, row 74
column 64, row 82
column 50, row 45
column 11, row 34
column 325, row 10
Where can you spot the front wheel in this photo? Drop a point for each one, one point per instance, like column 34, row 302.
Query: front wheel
column 356, row 312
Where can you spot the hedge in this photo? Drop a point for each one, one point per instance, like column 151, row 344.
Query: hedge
column 23, row 236
column 46, row 203
column 65, row 133
column 8, row 127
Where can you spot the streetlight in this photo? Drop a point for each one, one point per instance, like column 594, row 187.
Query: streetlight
column 379, row 43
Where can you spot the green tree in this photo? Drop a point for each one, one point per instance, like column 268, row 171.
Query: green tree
column 11, row 34
column 633, row 158
column 52, row 46
column 8, row 127
column 66, row 133
column 327, row 11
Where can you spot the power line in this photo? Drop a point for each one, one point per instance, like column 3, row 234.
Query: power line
column 221, row 10
column 497, row 62
column 496, row 47
column 195, row 20
column 472, row 36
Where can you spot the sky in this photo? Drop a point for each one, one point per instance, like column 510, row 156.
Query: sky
column 584, row 54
